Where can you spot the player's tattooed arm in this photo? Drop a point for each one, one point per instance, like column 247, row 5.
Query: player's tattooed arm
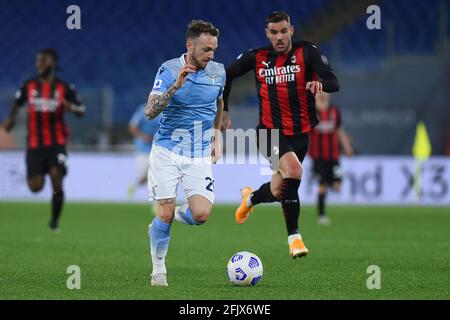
column 157, row 103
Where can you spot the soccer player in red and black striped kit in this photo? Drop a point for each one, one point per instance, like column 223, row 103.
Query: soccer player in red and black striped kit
column 286, row 82
column 324, row 149
column 47, row 99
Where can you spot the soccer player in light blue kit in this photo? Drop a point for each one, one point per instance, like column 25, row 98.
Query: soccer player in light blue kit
column 188, row 91
column 143, row 132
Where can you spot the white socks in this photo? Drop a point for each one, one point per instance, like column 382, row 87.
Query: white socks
column 292, row 237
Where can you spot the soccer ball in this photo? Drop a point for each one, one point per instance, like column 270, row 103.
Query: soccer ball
column 244, row 269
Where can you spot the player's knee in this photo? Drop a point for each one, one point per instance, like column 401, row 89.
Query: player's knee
column 337, row 186
column 201, row 215
column 36, row 186
column 35, row 189
column 293, row 172
column 165, row 216
column 165, row 210
column 322, row 189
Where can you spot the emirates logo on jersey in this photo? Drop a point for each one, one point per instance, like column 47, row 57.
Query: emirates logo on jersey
column 44, row 104
column 276, row 75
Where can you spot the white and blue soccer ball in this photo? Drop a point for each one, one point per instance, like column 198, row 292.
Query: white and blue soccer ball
column 244, row 269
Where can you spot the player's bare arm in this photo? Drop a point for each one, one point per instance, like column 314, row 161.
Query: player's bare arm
column 157, row 103
column 219, row 114
column 345, row 142
column 226, row 120
column 216, row 147
column 10, row 120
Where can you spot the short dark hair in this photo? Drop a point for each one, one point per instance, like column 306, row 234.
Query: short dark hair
column 277, row 16
column 52, row 53
column 197, row 27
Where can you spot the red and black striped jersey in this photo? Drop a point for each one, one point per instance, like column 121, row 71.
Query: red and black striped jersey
column 46, row 125
column 284, row 102
column 324, row 139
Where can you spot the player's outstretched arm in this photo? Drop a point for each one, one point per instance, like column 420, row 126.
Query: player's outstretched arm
column 157, row 103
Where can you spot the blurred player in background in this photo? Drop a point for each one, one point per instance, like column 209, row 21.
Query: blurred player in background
column 143, row 132
column 286, row 82
column 47, row 98
column 188, row 92
column 325, row 141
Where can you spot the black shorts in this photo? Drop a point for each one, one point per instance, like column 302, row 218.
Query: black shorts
column 273, row 150
column 327, row 171
column 39, row 161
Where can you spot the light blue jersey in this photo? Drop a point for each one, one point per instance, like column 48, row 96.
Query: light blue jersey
column 186, row 123
column 149, row 127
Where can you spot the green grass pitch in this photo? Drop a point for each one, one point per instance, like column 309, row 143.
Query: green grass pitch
column 109, row 242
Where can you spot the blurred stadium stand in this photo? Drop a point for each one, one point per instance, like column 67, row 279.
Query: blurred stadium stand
column 390, row 78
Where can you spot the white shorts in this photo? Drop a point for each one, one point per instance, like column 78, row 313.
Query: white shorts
column 142, row 162
column 167, row 169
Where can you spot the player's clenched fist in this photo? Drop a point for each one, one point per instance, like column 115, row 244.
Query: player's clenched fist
column 314, row 87
column 182, row 75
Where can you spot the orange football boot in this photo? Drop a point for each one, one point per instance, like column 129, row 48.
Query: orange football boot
column 297, row 248
column 243, row 211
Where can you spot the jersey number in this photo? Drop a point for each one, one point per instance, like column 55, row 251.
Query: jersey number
column 210, row 185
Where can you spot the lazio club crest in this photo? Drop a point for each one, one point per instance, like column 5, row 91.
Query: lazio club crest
column 213, row 77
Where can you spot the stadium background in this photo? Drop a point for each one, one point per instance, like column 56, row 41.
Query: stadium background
column 391, row 79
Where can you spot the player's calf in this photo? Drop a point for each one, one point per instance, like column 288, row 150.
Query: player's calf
column 159, row 234
column 56, row 177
